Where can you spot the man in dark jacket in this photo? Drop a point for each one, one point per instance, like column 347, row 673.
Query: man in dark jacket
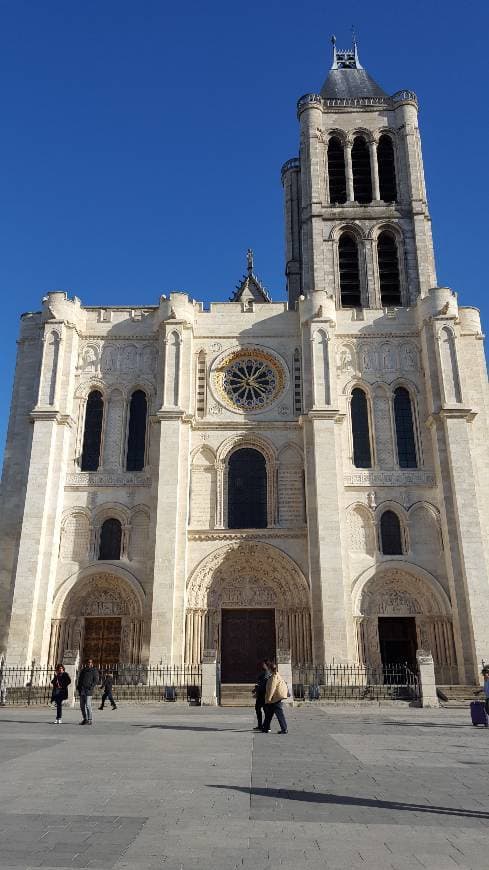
column 259, row 693
column 87, row 680
column 107, row 695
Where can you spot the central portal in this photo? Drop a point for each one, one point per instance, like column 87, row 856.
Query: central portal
column 248, row 636
column 102, row 641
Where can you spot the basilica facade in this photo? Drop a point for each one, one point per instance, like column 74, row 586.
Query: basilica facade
column 309, row 475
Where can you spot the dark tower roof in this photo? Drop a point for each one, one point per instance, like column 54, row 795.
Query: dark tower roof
column 347, row 77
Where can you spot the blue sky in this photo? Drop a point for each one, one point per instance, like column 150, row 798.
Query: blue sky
column 142, row 141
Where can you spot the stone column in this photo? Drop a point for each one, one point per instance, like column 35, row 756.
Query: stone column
column 350, row 193
column 170, row 466
column 374, row 170
column 329, row 619
column 71, row 661
column 427, row 682
column 209, row 678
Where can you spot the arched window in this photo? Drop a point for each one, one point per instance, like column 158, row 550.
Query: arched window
column 336, row 171
column 92, row 437
column 360, row 164
column 136, row 440
column 350, row 290
column 390, row 534
column 110, row 539
column 247, row 490
column 406, row 442
column 387, row 169
column 360, row 430
column 201, row 384
column 390, row 284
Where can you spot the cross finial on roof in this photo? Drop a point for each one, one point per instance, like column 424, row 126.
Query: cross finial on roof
column 249, row 260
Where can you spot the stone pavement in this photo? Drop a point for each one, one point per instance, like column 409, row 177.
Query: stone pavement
column 177, row 788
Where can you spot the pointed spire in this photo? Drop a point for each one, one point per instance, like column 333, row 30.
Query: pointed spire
column 249, row 261
column 347, row 77
column 250, row 288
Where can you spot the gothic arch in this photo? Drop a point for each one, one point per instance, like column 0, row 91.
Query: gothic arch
column 346, row 227
column 224, row 451
column 248, row 575
column 256, row 442
column 417, row 588
column 78, row 583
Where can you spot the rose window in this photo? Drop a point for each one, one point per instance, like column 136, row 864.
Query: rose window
column 248, row 380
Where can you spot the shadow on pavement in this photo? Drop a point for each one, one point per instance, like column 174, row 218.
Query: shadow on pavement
column 348, row 800
column 429, row 724
column 190, row 728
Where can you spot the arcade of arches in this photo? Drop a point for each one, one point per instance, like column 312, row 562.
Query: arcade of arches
column 247, row 601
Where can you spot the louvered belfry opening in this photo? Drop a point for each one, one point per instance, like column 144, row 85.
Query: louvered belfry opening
column 350, row 289
column 390, row 283
column 110, row 539
column 387, row 169
column 136, row 440
column 406, row 442
column 247, row 490
column 390, row 534
column 336, row 171
column 360, row 429
column 360, row 163
column 92, row 436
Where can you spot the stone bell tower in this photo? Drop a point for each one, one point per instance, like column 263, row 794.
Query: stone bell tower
column 359, row 163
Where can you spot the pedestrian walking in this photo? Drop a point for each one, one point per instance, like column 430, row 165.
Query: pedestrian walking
column 259, row 693
column 60, row 683
column 107, row 693
column 276, row 691
column 87, row 681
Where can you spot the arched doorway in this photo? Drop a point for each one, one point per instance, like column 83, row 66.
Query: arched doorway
column 101, row 616
column 397, row 613
column 246, row 601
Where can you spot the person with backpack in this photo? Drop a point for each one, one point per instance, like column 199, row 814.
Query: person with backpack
column 60, row 684
column 276, row 692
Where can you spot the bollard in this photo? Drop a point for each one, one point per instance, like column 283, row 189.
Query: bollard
column 71, row 660
column 209, row 678
column 427, row 681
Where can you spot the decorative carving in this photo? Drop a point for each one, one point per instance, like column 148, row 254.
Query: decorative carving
column 389, row 359
column 89, row 358
column 284, row 410
column 129, row 358
column 259, row 570
column 368, row 358
column 75, row 538
column 361, row 531
column 397, row 593
column 89, row 478
column 383, row 430
column 215, row 410
column 216, row 347
column 371, row 500
column 110, row 358
column 411, row 477
column 346, row 359
column 138, row 548
column 409, row 358
column 101, row 595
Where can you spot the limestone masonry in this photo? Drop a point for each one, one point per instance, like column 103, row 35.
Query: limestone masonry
column 308, row 476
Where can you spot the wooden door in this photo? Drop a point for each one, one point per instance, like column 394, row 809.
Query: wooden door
column 247, row 637
column 102, row 640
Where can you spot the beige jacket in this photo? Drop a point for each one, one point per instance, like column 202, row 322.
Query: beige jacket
column 276, row 689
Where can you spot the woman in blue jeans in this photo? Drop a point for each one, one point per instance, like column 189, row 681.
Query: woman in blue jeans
column 60, row 684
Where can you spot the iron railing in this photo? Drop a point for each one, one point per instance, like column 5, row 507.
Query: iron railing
column 25, row 685
column 32, row 684
column 354, row 683
column 133, row 682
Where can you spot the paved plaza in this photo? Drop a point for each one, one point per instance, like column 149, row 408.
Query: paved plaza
column 177, row 788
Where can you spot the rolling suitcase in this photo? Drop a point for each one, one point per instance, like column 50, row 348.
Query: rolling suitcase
column 478, row 713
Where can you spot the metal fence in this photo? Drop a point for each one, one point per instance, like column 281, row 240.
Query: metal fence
column 153, row 682
column 25, row 685
column 32, row 685
column 355, row 683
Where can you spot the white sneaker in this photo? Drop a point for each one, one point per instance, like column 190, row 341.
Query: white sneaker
column 60, row 721
column 55, row 721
